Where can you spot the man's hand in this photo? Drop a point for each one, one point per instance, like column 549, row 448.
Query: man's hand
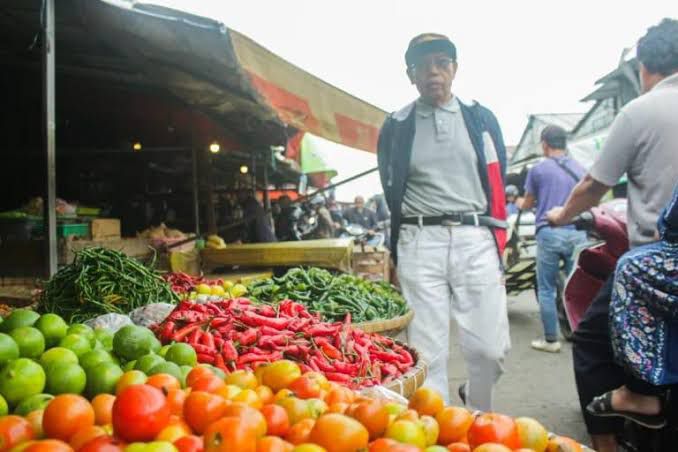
column 555, row 217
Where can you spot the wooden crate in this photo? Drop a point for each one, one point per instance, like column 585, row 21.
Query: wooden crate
column 373, row 264
column 105, row 229
column 133, row 247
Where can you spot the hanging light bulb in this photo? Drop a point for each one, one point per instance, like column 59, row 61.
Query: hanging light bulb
column 136, row 147
column 244, row 169
column 214, row 147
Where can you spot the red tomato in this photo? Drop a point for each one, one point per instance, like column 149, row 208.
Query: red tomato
column 190, row 443
column 305, row 387
column 14, row 430
column 103, row 444
column 139, row 413
column 277, row 420
column 494, row 428
column 49, row 445
column 201, row 409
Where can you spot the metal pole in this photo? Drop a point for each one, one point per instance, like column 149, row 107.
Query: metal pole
column 267, row 199
column 50, row 133
column 196, row 196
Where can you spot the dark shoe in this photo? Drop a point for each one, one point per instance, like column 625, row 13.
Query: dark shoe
column 602, row 406
column 462, row 393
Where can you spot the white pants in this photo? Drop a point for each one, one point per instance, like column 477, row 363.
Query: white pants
column 455, row 272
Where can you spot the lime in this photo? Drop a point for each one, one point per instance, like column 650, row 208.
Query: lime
column 21, row 378
column 103, row 378
column 129, row 365
column 19, row 318
column 218, row 291
column 182, row 354
column 30, row 340
column 52, row 327
column 167, row 368
column 147, row 362
column 4, row 409
column 32, row 403
column 76, row 343
column 203, row 289
column 105, row 337
column 9, row 350
column 132, row 341
column 95, row 357
column 58, row 355
column 83, row 330
column 63, row 378
column 156, row 345
column 163, row 350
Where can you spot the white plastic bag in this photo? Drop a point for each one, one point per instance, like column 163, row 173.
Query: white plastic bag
column 112, row 322
column 151, row 314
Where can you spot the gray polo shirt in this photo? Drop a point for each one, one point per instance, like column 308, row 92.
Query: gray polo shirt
column 643, row 143
column 443, row 176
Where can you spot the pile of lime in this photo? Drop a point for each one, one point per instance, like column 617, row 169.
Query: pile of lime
column 43, row 356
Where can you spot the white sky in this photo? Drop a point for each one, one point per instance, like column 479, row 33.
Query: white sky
column 517, row 57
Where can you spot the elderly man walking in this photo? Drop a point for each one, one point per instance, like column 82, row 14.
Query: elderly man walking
column 442, row 164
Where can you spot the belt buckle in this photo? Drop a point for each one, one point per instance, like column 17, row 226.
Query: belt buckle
column 450, row 222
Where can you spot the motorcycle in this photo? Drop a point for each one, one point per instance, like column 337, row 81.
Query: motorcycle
column 606, row 226
column 363, row 236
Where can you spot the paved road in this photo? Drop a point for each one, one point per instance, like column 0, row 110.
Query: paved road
column 536, row 384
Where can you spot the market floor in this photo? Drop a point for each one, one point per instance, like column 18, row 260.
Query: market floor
column 536, row 384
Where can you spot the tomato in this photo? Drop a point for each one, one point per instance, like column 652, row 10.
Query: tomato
column 340, row 394
column 35, row 419
column 408, row 415
column 139, row 413
column 189, row 443
column 230, row 434
column 103, row 444
column 277, row 420
column 210, row 383
column 282, row 394
column 491, row 447
column 103, row 408
column 320, row 378
column 374, row 416
column 305, row 387
column 458, row 447
column 339, row 433
column 14, row 430
column 280, row 374
column 338, row 407
column 129, row 378
column 300, row 432
column 273, row 444
column 296, row 408
column 563, row 444
column 532, row 434
column 309, row 448
column 265, row 394
column 173, row 432
column 426, row 401
column 249, row 397
column 259, row 372
column 243, row 379
column 229, row 392
column 408, row 432
column 493, row 428
column 249, row 415
column 65, row 415
column 85, row 435
column 49, row 445
column 454, row 423
column 202, row 408
column 175, row 400
column 164, row 382
column 198, row 373
column 316, row 408
column 431, row 429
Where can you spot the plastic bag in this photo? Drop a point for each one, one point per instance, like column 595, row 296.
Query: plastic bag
column 383, row 393
column 112, row 321
column 151, row 314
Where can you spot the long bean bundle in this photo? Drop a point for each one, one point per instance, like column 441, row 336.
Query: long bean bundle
column 102, row 281
column 332, row 296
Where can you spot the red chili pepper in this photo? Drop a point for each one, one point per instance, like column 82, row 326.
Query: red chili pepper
column 194, row 337
column 168, row 330
column 298, row 325
column 218, row 341
column 219, row 363
column 229, row 351
column 253, row 319
column 247, row 337
column 387, row 357
column 389, row 369
column 340, row 378
column 266, row 311
column 273, row 341
column 253, row 357
column 185, row 331
column 304, row 368
column 207, row 339
column 205, row 358
column 199, row 348
column 346, row 368
column 331, row 351
column 321, row 330
column 219, row 321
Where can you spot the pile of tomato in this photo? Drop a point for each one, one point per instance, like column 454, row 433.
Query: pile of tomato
column 275, row 408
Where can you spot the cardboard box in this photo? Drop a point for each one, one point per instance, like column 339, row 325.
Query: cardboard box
column 105, row 229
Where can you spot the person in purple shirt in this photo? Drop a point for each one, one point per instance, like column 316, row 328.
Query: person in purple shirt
column 549, row 184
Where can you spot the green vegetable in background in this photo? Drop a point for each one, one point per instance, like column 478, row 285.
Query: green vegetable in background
column 102, row 281
column 332, row 296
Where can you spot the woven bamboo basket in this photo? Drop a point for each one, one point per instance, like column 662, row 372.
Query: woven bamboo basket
column 412, row 379
column 387, row 327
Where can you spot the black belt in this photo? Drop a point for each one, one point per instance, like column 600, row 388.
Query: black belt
column 456, row 219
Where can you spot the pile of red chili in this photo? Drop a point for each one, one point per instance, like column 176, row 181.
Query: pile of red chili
column 237, row 334
column 181, row 282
